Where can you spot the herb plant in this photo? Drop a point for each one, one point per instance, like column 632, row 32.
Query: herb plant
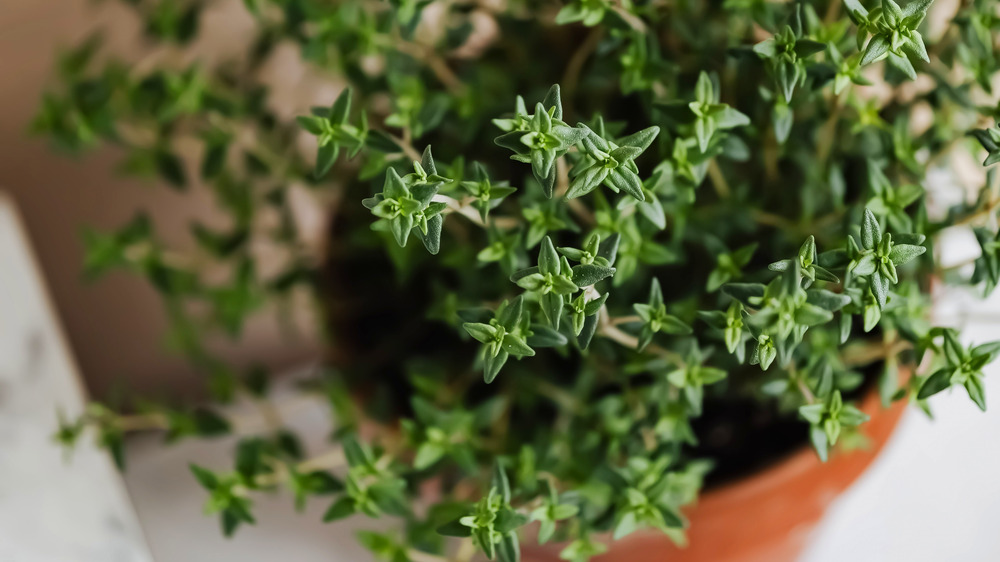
column 553, row 286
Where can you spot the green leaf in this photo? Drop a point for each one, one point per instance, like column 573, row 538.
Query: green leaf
column 827, row 300
column 626, row 525
column 325, row 158
column 670, row 517
column 210, row 424
column 454, row 529
column 587, row 275
column 427, row 454
column 341, row 107
column 310, row 123
column 871, row 233
column 902, row 253
column 730, row 118
column 342, row 508
column 481, row 332
column 514, row 345
column 940, row 380
column 493, row 364
column 747, row 293
column 553, row 99
column 880, row 288
column 432, row 239
column 508, row 520
column 989, row 350
column 586, row 335
column 170, row 168
column 357, row 454
column 205, row 477
column 819, row 441
column 974, row 386
column 626, row 180
column 500, row 482
column 808, row 47
column 586, row 181
column 543, row 336
column 812, row 413
column 640, row 139
column 508, row 550
column 812, row 315
column 876, row 50
column 552, row 306
column 916, row 7
column 548, row 258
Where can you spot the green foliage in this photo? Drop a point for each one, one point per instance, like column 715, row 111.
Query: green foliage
column 877, row 257
column 720, row 202
column 962, row 367
column 990, row 139
column 988, row 262
column 332, row 132
column 492, row 522
column 891, row 32
column 643, row 498
column 406, row 204
column 827, row 419
column 610, row 162
column 786, row 54
column 539, row 138
column 551, row 511
column 655, row 319
column 226, row 498
column 506, row 334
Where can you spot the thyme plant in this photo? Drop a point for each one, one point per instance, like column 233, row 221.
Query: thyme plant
column 554, row 286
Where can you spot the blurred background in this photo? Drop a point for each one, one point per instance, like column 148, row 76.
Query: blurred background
column 114, row 329
column 115, row 326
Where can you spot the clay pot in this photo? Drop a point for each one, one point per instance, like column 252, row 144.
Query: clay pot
column 767, row 517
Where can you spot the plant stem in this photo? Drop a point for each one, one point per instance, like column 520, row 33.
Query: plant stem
column 329, row 460
column 464, row 208
column 269, row 413
column 436, row 63
column 633, row 21
column 558, row 395
column 406, row 146
column 771, row 219
column 624, row 320
column 804, row 389
column 613, row 333
column 718, row 179
column 142, row 422
column 985, row 212
column 571, row 76
column 856, row 356
column 419, row 556
column 801, row 383
column 829, row 131
column 562, row 186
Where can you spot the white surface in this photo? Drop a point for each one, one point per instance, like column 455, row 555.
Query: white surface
column 169, row 503
column 933, row 494
column 50, row 510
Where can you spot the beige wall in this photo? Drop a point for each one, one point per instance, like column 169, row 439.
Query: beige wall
column 115, row 325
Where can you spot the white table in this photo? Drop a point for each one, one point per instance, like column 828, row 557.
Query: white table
column 51, row 509
column 933, row 495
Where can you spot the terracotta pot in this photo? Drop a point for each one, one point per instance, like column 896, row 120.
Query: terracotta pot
column 767, row 517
